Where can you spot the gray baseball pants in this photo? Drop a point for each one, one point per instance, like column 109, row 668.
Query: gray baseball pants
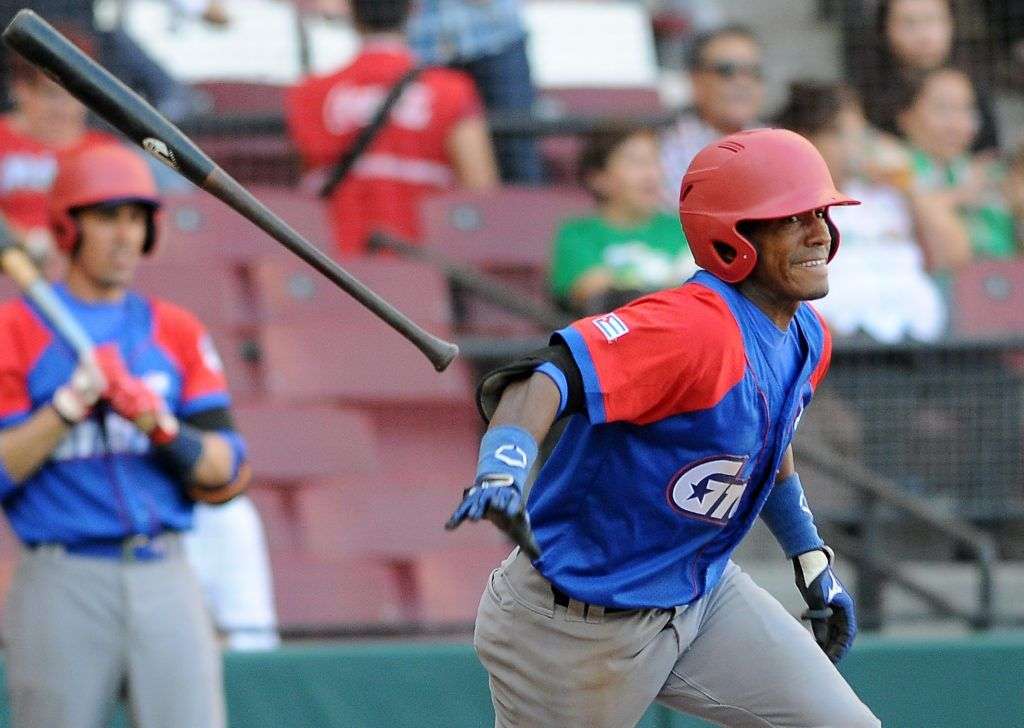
column 735, row 657
column 81, row 631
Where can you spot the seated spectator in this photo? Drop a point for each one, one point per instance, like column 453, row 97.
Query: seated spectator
column 629, row 247
column 728, row 96
column 435, row 139
column 968, row 211
column 46, row 125
column 878, row 284
column 487, row 40
column 912, row 37
column 1015, row 191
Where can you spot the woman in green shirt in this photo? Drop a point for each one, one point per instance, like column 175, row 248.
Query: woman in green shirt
column 630, row 246
column 969, row 211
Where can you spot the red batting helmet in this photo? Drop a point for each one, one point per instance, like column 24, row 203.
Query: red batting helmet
column 100, row 175
column 761, row 174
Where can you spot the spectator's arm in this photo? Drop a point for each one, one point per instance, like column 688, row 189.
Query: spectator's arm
column 942, row 233
column 469, row 147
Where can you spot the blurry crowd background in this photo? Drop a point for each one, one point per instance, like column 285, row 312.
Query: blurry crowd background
column 508, row 151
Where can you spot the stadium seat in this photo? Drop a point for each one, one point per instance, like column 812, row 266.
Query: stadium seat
column 511, row 228
column 236, row 97
column 199, row 227
column 294, row 444
column 212, row 291
column 449, row 582
column 509, row 233
column 287, row 289
column 398, row 514
column 237, row 349
column 988, row 300
column 312, row 590
column 353, row 361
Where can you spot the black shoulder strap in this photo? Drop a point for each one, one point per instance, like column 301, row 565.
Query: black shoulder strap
column 368, row 133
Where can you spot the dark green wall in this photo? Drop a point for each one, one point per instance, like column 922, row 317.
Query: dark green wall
column 972, row 682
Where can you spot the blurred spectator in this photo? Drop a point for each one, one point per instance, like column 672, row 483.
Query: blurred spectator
column 435, row 139
column 117, row 51
column 912, row 37
column 728, row 94
column 630, row 246
column 487, row 40
column 878, row 284
column 45, row 125
column 968, row 211
column 1015, row 191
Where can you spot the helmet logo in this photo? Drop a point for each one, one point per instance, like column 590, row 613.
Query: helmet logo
column 161, row 151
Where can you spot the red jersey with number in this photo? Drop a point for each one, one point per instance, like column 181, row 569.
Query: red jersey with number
column 409, row 158
column 27, row 169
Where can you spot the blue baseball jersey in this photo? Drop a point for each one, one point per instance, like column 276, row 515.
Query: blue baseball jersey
column 102, row 480
column 692, row 398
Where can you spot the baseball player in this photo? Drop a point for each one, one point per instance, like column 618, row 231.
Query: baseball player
column 100, row 464
column 681, row 408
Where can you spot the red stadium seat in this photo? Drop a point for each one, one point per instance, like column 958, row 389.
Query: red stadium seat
column 988, row 300
column 237, row 350
column 450, row 582
column 511, row 228
column 289, row 290
column 199, row 227
column 294, row 444
column 626, row 100
column 213, row 291
column 353, row 361
column 312, row 590
column 399, row 514
column 235, row 97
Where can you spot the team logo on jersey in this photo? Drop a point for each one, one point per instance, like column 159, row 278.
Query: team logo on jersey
column 611, row 327
column 709, row 490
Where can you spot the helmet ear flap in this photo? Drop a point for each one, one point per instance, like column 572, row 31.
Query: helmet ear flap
column 833, row 231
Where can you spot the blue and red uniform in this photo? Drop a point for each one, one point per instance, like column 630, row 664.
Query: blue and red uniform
column 692, row 398
column 103, row 481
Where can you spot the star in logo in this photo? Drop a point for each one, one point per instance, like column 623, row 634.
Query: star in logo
column 700, row 489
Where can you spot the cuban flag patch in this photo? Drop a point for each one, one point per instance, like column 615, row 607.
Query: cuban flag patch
column 611, row 326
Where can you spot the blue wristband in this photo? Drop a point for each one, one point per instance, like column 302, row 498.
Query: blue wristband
column 507, row 450
column 239, row 451
column 789, row 518
column 557, row 376
column 180, row 455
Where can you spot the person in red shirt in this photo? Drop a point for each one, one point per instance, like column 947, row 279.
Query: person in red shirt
column 46, row 125
column 435, row 139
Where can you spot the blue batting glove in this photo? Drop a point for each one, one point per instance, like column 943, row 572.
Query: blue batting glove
column 830, row 606
column 506, row 455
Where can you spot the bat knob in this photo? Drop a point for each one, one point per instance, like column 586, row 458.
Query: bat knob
column 442, row 354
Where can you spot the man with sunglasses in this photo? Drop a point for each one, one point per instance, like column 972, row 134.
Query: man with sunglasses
column 728, row 96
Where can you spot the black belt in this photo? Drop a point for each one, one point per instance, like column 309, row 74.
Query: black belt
column 562, row 599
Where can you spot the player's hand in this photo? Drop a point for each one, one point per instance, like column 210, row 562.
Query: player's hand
column 496, row 497
column 830, row 606
column 75, row 400
column 132, row 398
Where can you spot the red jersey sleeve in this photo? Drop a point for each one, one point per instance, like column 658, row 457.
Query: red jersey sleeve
column 22, row 340
column 191, row 349
column 672, row 352
column 821, row 369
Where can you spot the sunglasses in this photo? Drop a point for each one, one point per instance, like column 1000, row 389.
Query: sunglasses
column 731, row 69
